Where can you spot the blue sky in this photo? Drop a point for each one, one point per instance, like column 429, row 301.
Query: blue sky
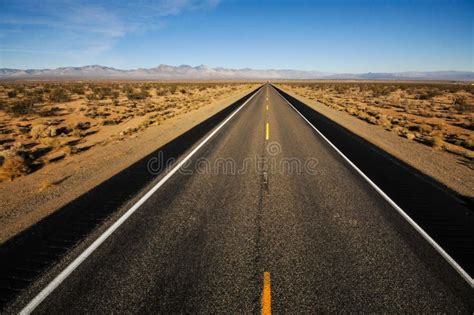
column 329, row 36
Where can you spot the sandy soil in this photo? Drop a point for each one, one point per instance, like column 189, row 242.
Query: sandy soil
column 29, row 198
column 437, row 114
column 42, row 123
column 452, row 170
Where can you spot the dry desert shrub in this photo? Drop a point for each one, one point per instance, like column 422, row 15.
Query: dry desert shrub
column 52, row 142
column 78, row 89
column 137, row 94
column 59, row 95
column 436, row 142
column 410, row 136
column 468, row 143
column 12, row 94
column 22, row 107
column 38, row 131
column 461, row 105
column 14, row 166
column 384, row 121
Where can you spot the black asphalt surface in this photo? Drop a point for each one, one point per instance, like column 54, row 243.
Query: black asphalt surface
column 246, row 205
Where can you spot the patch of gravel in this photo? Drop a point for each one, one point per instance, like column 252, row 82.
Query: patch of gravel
column 452, row 171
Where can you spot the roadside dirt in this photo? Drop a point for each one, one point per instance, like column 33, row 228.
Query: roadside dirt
column 29, row 198
column 454, row 171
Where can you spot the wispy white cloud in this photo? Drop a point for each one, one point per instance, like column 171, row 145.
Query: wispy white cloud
column 82, row 28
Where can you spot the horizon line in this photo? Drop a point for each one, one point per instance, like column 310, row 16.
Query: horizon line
column 231, row 68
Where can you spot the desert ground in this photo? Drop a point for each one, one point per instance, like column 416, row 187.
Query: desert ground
column 47, row 122
column 439, row 115
column 60, row 139
column 428, row 125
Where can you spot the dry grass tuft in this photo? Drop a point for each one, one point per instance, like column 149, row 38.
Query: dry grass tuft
column 436, row 142
column 13, row 167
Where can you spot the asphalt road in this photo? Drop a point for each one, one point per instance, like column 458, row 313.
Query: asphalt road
column 265, row 194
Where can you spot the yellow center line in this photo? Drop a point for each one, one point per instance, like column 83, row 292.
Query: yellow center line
column 267, row 106
column 267, row 131
column 266, row 295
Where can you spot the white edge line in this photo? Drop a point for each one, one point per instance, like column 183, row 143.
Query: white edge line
column 30, row 307
column 425, row 235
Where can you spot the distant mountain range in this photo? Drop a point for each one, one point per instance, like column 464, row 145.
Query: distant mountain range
column 185, row 72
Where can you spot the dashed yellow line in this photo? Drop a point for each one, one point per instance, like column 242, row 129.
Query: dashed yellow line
column 267, row 131
column 267, row 106
column 266, row 295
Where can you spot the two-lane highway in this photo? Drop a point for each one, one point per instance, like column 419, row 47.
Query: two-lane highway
column 265, row 215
